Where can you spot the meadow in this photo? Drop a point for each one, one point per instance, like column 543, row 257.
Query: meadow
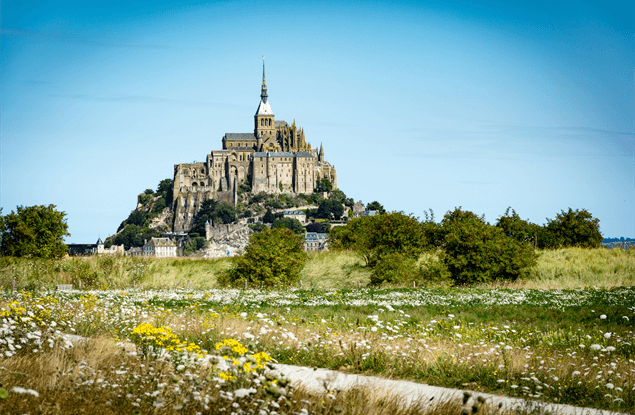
column 206, row 350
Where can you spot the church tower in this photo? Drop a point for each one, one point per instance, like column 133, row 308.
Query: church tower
column 265, row 129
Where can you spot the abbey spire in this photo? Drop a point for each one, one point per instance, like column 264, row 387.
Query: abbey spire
column 263, row 89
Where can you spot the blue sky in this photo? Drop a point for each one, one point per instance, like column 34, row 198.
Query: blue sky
column 419, row 105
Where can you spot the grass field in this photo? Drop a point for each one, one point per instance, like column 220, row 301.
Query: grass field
column 562, row 268
column 566, row 335
column 565, row 346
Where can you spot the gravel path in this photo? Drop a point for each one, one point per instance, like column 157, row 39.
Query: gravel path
column 315, row 379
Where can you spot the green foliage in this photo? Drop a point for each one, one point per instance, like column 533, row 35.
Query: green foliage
column 394, row 267
column 257, row 227
column 289, row 223
column 323, row 185
column 281, row 186
column 338, row 196
column 225, row 214
column 159, row 205
column 273, row 203
column 260, row 197
column 477, row 252
column 213, row 212
column 247, row 214
column 376, row 206
column 286, row 201
column 136, row 217
column 572, row 228
column 194, row 245
column 330, row 209
column 34, row 232
column 273, row 258
column 432, row 230
column 374, row 237
column 134, row 235
column 268, row 217
column 164, row 189
column 514, row 227
column 149, row 192
column 245, row 187
column 319, row 227
column 144, row 198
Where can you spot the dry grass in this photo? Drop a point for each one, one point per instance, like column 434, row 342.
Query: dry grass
column 95, row 377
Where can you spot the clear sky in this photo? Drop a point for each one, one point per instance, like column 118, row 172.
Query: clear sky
column 479, row 104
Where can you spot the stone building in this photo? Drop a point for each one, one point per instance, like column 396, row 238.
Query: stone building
column 314, row 241
column 159, row 247
column 274, row 158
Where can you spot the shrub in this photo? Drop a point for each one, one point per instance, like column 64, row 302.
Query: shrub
column 376, row 236
column 323, row 185
column 394, row 268
column 572, row 228
column 289, row 223
column 518, row 229
column 477, row 252
column 273, row 258
column 268, row 217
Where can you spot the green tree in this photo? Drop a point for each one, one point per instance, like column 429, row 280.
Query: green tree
column 289, row 223
column 330, row 208
column 268, row 217
column 571, row 228
column 323, row 185
column 274, row 258
column 374, row 237
column 514, row 227
column 225, row 214
column 34, row 232
column 165, row 190
column 376, row 206
column 476, row 252
column 318, row 227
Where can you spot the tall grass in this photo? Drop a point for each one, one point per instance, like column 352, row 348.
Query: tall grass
column 562, row 268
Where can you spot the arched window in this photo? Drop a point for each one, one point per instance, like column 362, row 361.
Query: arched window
column 262, row 122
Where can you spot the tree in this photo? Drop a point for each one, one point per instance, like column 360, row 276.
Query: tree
column 225, row 214
column 330, row 208
column 34, row 232
column 274, row 258
column 205, row 214
column 377, row 236
column 268, row 217
column 165, row 190
column 572, row 228
column 514, row 227
column 318, row 227
column 289, row 223
column 323, row 185
column 476, row 252
column 376, row 206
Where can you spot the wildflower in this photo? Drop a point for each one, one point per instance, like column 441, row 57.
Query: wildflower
column 18, row 389
column 603, row 317
column 607, row 335
column 610, row 386
column 610, row 349
column 596, row 347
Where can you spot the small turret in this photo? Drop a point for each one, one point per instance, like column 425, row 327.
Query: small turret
column 321, row 154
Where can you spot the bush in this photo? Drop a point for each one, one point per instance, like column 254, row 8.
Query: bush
column 289, row 223
column 572, row 228
column 273, row 258
column 376, row 236
column 323, row 185
column 330, row 208
column 477, row 252
column 514, row 227
column 394, row 268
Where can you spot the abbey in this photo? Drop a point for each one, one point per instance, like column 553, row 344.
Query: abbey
column 275, row 158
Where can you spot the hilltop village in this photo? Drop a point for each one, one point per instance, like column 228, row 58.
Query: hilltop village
column 257, row 177
column 274, row 158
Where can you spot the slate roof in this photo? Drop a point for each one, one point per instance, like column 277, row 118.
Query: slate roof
column 239, row 136
column 273, row 154
column 314, row 237
column 160, row 242
column 293, row 212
